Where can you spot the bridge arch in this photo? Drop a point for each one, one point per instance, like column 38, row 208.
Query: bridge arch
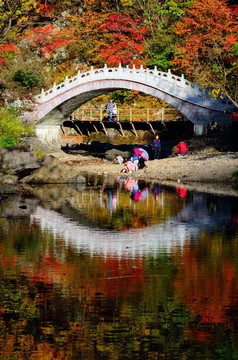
column 53, row 106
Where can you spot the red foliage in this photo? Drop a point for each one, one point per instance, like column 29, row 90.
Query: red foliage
column 234, row 9
column 46, row 10
column 7, row 50
column 125, row 36
column 48, row 39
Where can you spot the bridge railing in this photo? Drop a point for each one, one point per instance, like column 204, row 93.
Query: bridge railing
column 168, row 82
column 128, row 114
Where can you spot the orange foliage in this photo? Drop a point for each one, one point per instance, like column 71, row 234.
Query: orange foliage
column 207, row 33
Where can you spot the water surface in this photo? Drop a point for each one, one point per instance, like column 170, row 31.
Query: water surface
column 118, row 271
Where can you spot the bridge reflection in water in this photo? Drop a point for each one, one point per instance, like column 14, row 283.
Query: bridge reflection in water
column 197, row 217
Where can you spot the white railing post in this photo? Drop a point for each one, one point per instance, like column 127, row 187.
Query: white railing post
column 155, row 71
column 42, row 95
column 78, row 77
column 169, row 74
column 66, row 82
column 54, row 89
column 133, row 71
column 119, row 69
column 182, row 79
column 147, row 74
column 92, row 72
column 105, row 70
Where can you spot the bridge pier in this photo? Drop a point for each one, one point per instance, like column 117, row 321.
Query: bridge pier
column 199, row 129
column 49, row 134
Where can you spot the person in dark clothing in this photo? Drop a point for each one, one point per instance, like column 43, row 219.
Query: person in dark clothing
column 156, row 147
column 141, row 163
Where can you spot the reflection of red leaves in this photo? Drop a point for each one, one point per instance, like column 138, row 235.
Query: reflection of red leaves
column 198, row 334
column 234, row 218
column 121, row 277
column 209, row 294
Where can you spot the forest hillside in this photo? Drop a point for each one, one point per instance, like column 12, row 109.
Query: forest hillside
column 42, row 41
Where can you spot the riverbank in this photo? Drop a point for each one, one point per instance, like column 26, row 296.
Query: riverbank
column 209, row 167
column 202, row 172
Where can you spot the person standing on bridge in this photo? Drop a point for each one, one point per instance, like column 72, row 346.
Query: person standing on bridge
column 110, row 108
column 156, row 147
column 114, row 111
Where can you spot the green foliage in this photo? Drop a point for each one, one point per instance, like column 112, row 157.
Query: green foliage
column 10, row 127
column 123, row 96
column 26, row 79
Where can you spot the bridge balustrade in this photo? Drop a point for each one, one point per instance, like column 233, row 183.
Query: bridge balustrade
column 128, row 114
column 176, row 85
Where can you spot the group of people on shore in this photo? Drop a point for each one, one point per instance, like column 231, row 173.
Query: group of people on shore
column 132, row 164
column 137, row 162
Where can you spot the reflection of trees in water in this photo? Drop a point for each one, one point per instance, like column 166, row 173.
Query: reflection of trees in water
column 57, row 301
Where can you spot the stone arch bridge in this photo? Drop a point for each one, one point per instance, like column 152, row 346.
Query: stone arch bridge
column 54, row 106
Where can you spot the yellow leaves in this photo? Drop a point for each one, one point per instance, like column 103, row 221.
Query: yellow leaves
column 127, row 2
column 23, row 19
column 215, row 93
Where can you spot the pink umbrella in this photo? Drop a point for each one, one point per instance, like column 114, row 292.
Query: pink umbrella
column 143, row 153
column 141, row 195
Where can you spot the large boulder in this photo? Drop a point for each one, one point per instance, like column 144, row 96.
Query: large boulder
column 54, row 171
column 8, row 179
column 17, row 158
column 111, row 154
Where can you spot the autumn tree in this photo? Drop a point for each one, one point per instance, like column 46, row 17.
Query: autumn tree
column 158, row 17
column 208, row 49
column 16, row 14
column 124, row 40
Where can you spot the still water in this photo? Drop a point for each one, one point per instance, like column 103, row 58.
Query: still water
column 125, row 270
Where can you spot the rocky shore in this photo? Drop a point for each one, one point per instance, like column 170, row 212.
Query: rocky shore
column 203, row 172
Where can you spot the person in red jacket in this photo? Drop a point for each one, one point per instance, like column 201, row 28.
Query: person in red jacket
column 182, row 149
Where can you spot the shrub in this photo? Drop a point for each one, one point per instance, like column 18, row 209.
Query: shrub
column 26, row 79
column 10, row 127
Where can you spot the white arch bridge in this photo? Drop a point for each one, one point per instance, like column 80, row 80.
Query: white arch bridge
column 54, row 106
